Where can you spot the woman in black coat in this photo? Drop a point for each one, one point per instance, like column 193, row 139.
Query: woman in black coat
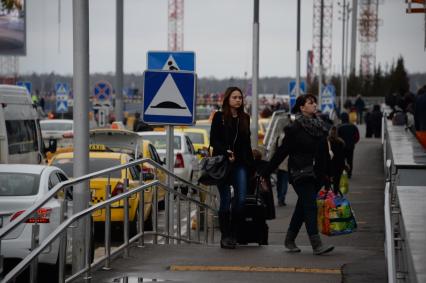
column 230, row 136
column 305, row 142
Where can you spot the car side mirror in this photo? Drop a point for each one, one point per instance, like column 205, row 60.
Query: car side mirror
column 163, row 161
column 148, row 176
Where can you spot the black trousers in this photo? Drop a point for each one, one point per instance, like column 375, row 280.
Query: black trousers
column 349, row 157
column 306, row 208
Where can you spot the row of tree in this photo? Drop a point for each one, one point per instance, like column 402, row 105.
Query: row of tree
column 381, row 83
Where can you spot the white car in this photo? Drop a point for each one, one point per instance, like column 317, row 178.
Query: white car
column 61, row 130
column 20, row 187
column 185, row 160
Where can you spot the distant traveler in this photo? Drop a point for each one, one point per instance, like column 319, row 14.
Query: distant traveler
column 350, row 135
column 359, row 105
column 305, row 143
column 140, row 126
column 230, row 136
column 337, row 146
column 420, row 110
column 282, row 173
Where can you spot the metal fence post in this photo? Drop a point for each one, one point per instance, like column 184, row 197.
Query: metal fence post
column 63, row 242
column 35, row 233
column 178, row 222
column 88, row 248
column 126, row 217
column 107, row 265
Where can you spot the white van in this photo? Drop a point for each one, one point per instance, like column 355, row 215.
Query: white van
column 20, row 134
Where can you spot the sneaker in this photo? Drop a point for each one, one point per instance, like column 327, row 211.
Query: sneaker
column 281, row 203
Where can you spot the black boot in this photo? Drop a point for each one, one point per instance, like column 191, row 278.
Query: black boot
column 225, row 230
column 317, row 245
column 290, row 243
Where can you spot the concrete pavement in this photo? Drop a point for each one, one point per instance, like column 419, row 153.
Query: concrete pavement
column 358, row 257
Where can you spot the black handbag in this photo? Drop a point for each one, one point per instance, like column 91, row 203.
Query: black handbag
column 300, row 175
column 214, row 170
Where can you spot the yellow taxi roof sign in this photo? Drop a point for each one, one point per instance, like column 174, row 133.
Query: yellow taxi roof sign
column 97, row 147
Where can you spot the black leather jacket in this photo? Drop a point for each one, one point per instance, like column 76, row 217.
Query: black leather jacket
column 223, row 137
column 303, row 150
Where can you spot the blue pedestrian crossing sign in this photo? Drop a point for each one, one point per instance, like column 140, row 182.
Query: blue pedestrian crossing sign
column 62, row 93
column 328, row 97
column 28, row 85
column 171, row 61
column 169, row 97
column 292, row 91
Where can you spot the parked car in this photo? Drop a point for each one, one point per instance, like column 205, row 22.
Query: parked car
column 185, row 159
column 199, row 138
column 20, row 136
column 20, row 187
column 61, row 130
column 99, row 159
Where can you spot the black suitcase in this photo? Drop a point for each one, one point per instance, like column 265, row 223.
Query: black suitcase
column 253, row 227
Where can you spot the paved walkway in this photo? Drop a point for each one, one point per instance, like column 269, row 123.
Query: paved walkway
column 358, row 257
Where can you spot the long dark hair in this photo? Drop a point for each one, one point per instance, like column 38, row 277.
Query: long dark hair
column 227, row 114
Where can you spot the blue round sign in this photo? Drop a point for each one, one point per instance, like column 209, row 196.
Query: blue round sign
column 103, row 90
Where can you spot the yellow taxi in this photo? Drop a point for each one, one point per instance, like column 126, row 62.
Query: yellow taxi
column 100, row 160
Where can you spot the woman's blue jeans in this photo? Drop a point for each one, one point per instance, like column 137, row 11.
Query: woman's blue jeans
column 238, row 178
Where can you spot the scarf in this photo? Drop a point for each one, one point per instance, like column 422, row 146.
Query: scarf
column 313, row 126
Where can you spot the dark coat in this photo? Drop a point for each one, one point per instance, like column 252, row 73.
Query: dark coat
column 303, row 150
column 223, row 138
column 349, row 134
column 420, row 112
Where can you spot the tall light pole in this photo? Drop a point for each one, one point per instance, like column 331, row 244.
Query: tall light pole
column 119, row 105
column 342, row 79
column 255, row 76
column 298, row 51
column 353, row 35
column 81, row 191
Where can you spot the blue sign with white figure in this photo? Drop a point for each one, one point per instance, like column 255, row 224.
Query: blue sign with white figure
column 328, row 96
column 169, row 97
column 28, row 85
column 171, row 61
column 62, row 93
column 292, row 92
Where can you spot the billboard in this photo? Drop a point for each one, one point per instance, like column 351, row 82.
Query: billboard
column 12, row 27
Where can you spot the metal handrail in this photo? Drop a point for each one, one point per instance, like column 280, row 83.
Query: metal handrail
column 60, row 229
column 28, row 212
column 389, row 239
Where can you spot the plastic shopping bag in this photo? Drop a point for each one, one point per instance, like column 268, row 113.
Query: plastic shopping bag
column 335, row 216
column 344, row 183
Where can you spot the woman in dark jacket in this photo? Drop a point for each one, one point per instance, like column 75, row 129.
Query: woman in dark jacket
column 305, row 142
column 230, row 136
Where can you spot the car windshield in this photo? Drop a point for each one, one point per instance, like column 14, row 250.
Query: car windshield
column 195, row 137
column 56, row 126
column 18, row 184
column 159, row 141
column 95, row 164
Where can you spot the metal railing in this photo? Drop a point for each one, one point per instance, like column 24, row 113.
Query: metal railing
column 174, row 234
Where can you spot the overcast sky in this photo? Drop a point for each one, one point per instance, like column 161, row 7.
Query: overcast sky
column 219, row 31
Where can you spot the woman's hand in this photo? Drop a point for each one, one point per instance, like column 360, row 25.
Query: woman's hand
column 231, row 155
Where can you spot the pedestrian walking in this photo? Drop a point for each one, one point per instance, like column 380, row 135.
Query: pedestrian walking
column 337, row 147
column 360, row 106
column 349, row 133
column 230, row 136
column 282, row 173
column 139, row 125
column 305, row 143
column 420, row 110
